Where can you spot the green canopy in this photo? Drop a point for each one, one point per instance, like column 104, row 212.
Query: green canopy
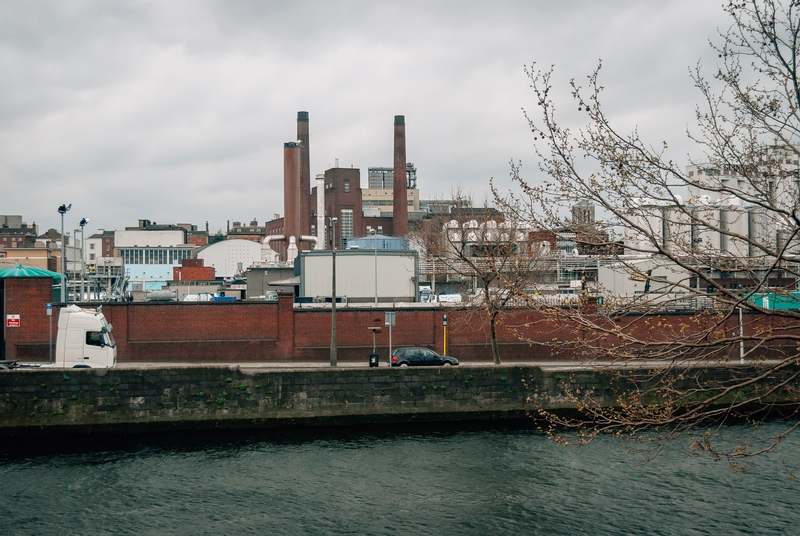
column 22, row 270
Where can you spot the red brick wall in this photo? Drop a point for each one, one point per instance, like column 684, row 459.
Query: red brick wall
column 260, row 331
column 205, row 331
column 28, row 297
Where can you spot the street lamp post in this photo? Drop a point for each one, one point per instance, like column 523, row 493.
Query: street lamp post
column 75, row 261
column 375, row 252
column 333, row 292
column 63, row 210
column 83, row 223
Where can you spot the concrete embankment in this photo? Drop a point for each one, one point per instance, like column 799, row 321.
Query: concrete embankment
column 131, row 400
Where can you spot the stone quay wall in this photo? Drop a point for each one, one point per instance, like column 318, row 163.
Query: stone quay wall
column 47, row 401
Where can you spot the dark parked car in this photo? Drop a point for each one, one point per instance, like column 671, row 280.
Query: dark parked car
column 420, row 357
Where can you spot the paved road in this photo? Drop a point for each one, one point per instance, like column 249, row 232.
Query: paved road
column 546, row 365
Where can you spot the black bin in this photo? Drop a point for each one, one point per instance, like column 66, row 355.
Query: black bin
column 373, row 360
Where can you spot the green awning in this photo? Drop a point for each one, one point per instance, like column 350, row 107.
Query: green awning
column 22, row 270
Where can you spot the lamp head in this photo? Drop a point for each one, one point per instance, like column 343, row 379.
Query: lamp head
column 84, row 221
column 64, row 208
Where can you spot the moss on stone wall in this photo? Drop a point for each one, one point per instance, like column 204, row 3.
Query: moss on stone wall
column 35, row 401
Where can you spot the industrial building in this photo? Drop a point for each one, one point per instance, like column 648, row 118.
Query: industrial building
column 337, row 194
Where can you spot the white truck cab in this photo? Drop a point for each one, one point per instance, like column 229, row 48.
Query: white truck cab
column 84, row 339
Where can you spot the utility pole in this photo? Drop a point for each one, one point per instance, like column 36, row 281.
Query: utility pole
column 375, row 252
column 333, row 293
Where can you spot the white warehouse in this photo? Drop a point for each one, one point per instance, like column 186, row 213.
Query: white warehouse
column 361, row 274
column 230, row 257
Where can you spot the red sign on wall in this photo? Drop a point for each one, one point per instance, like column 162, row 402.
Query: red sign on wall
column 12, row 321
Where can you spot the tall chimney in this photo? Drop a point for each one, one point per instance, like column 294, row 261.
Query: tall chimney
column 400, row 196
column 305, row 175
column 291, row 191
column 321, row 227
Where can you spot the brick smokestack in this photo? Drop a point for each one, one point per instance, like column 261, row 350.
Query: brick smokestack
column 305, row 176
column 400, row 195
column 291, row 190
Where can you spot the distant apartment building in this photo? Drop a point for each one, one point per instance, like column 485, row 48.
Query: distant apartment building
column 243, row 231
column 42, row 256
column 15, row 233
column 99, row 245
column 20, row 243
column 197, row 238
column 151, row 251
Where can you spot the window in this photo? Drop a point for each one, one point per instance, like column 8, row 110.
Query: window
column 91, row 256
column 94, row 338
column 91, row 246
column 313, row 230
column 346, row 185
column 347, row 225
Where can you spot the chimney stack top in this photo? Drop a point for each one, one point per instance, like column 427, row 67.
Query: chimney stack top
column 302, row 117
column 399, row 120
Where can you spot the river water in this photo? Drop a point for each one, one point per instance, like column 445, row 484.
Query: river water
column 425, row 480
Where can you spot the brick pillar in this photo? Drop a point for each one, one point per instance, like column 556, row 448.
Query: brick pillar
column 28, row 298
column 285, row 326
column 117, row 315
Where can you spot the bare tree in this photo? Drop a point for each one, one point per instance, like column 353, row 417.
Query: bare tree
column 719, row 238
column 487, row 250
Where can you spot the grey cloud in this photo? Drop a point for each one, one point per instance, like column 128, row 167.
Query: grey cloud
column 177, row 111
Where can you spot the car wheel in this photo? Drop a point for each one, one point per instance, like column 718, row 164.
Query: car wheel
column 446, row 364
column 403, row 365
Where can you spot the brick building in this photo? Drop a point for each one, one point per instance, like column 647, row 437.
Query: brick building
column 193, row 270
column 16, row 233
column 252, row 231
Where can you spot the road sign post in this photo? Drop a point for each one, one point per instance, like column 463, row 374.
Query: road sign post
column 444, row 326
column 389, row 321
column 50, row 316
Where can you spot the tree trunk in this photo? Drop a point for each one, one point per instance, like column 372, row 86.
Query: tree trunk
column 495, row 346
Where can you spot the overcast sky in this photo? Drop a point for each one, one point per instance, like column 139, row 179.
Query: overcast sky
column 177, row 111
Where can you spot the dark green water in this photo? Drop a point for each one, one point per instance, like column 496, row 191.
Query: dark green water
column 368, row 481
